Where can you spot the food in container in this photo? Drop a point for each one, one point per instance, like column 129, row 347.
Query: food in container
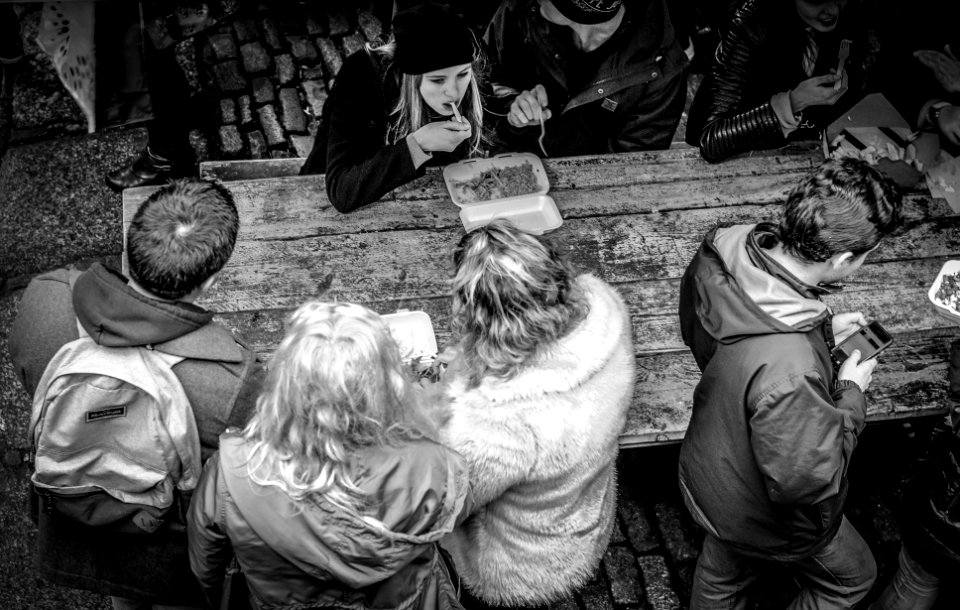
column 498, row 183
column 945, row 291
column 512, row 186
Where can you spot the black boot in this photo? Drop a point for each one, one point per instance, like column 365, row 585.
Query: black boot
column 147, row 170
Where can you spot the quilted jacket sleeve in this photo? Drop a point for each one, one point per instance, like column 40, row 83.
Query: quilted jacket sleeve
column 719, row 124
column 803, row 437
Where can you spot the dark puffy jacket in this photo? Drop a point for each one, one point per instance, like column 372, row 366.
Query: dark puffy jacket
column 930, row 523
column 300, row 554
column 220, row 376
column 761, row 54
column 763, row 466
column 632, row 102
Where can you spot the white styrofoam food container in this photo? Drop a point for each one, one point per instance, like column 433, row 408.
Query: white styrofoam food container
column 952, row 314
column 413, row 332
column 534, row 212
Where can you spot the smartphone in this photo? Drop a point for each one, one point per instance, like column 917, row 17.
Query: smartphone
column 870, row 340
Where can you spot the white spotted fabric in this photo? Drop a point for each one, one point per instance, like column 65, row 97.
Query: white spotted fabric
column 66, row 35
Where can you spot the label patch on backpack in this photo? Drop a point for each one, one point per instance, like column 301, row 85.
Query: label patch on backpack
column 110, row 413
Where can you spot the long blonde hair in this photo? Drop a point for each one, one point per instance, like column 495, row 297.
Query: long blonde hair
column 410, row 112
column 336, row 385
column 513, row 294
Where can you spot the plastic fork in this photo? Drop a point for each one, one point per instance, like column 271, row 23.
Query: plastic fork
column 844, row 54
column 456, row 113
column 543, row 134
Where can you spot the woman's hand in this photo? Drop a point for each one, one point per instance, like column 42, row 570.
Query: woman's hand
column 818, row 91
column 442, row 136
column 861, row 373
column 528, row 107
column 945, row 66
column 949, row 123
column 845, row 324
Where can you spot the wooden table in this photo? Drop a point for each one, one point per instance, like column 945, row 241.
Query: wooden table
column 633, row 219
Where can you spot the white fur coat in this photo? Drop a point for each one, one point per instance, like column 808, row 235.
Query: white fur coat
column 541, row 448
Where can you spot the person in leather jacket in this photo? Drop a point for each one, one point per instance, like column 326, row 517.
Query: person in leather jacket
column 774, row 77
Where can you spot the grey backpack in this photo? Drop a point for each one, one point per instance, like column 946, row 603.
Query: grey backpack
column 115, row 438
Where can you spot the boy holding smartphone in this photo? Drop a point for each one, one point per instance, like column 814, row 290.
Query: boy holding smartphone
column 763, row 466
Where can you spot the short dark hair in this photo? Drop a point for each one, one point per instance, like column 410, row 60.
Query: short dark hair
column 843, row 206
column 180, row 236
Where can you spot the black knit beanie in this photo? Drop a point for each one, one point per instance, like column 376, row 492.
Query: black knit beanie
column 588, row 12
column 430, row 37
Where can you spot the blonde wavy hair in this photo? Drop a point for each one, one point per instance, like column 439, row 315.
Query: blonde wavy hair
column 410, row 112
column 336, row 385
column 512, row 295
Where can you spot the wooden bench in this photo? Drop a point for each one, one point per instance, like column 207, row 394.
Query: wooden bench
column 633, row 219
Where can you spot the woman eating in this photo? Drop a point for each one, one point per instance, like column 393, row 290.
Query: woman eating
column 400, row 107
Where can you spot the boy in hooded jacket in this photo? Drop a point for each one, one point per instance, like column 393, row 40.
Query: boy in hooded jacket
column 178, row 241
column 763, row 466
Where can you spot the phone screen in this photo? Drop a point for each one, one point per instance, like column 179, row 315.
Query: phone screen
column 870, row 340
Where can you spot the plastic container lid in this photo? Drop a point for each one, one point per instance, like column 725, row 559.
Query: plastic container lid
column 531, row 211
column 413, row 332
column 951, row 313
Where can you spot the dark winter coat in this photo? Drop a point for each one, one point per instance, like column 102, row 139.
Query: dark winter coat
column 220, row 376
column 350, row 144
column 930, row 523
column 763, row 466
column 761, row 54
column 298, row 554
column 632, row 102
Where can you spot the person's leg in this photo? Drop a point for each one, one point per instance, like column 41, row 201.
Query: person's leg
column 169, row 131
column 721, row 578
column 168, row 152
column 839, row 575
column 912, row 587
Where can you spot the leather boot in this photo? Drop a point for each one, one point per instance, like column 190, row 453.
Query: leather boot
column 147, row 170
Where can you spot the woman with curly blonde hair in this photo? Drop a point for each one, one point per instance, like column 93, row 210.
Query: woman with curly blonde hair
column 333, row 494
column 534, row 399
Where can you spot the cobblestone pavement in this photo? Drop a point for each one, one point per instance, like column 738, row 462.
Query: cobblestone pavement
column 261, row 81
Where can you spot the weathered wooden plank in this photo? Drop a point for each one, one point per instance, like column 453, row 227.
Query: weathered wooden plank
column 660, row 162
column 251, row 169
column 582, row 186
column 910, row 381
column 892, row 292
column 411, row 264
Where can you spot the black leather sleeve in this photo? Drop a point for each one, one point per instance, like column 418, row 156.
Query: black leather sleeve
column 722, row 127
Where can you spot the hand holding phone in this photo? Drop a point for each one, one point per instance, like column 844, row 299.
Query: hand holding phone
column 856, row 355
column 870, row 340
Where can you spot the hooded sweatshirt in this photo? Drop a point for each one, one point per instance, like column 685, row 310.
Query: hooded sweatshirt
column 309, row 553
column 764, row 461
column 219, row 375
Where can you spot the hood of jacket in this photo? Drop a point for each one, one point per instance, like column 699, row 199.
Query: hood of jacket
column 411, row 510
column 738, row 291
column 116, row 315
